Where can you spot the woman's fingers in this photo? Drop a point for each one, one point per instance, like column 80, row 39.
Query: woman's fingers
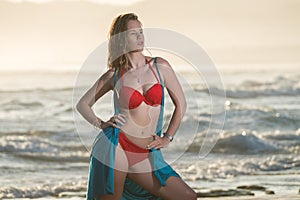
column 117, row 120
column 153, row 145
column 114, row 125
column 156, row 143
column 120, row 118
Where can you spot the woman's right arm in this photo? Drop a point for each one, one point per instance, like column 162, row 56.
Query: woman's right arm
column 84, row 106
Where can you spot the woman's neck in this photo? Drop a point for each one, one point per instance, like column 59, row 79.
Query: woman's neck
column 137, row 59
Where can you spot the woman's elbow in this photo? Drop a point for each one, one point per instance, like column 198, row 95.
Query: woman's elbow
column 182, row 106
column 79, row 106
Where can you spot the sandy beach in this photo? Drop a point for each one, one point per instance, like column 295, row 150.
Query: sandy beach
column 253, row 192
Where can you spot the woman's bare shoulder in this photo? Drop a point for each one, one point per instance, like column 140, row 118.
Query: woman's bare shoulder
column 163, row 62
column 163, row 65
column 164, row 68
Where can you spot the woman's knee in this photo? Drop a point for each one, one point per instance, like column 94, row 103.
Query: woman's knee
column 190, row 195
column 110, row 197
column 186, row 194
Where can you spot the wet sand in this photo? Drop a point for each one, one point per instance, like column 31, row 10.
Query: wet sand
column 272, row 197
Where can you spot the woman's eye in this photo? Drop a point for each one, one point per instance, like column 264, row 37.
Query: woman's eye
column 135, row 33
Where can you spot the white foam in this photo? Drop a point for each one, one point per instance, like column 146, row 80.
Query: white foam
column 55, row 189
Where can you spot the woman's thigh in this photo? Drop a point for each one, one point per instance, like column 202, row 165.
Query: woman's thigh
column 120, row 173
column 147, row 180
column 174, row 189
column 119, row 180
column 121, row 162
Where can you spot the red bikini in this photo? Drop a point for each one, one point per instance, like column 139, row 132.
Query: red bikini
column 133, row 152
column 131, row 99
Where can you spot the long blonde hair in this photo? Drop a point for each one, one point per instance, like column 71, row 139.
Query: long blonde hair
column 117, row 56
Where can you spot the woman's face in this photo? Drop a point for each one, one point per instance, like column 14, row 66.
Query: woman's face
column 135, row 36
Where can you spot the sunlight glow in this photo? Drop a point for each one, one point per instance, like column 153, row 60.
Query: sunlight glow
column 111, row 2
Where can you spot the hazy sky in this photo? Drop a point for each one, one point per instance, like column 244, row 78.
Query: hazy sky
column 59, row 33
column 111, row 2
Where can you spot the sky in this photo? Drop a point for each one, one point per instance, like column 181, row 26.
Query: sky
column 49, row 34
column 110, row 2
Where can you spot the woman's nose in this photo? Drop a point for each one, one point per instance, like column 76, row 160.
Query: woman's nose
column 139, row 35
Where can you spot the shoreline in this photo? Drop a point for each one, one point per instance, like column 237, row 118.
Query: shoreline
column 273, row 197
column 247, row 191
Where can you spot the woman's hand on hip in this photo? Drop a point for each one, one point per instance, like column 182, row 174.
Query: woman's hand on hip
column 158, row 142
column 115, row 121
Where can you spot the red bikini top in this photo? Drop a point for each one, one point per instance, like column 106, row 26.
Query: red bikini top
column 133, row 98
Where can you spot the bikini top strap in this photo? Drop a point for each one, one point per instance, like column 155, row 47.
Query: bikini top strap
column 115, row 93
column 159, row 126
column 155, row 61
column 149, row 62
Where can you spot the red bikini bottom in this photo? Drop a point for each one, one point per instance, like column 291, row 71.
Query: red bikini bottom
column 133, row 152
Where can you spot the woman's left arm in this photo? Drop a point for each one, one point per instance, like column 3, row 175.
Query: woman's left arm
column 178, row 98
column 176, row 93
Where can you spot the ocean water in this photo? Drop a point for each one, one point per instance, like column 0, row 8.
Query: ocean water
column 44, row 146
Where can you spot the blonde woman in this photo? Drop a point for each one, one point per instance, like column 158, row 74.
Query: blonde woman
column 134, row 137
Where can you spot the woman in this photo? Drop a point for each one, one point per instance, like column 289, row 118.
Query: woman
column 136, row 169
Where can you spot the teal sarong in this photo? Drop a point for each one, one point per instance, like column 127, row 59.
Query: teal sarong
column 102, row 158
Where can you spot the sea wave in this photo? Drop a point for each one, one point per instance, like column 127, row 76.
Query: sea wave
column 41, row 149
column 32, row 132
column 248, row 143
column 280, row 85
column 56, row 190
column 18, row 102
column 245, row 144
column 227, row 167
column 260, row 117
column 36, row 89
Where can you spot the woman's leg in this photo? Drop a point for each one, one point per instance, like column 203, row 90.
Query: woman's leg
column 120, row 173
column 175, row 187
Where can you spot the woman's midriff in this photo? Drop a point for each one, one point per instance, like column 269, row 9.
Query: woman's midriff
column 139, row 127
column 141, row 142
